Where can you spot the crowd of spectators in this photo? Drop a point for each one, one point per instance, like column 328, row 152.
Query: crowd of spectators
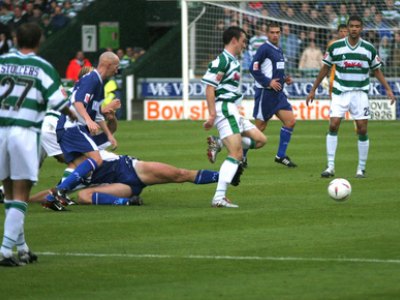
column 51, row 15
column 308, row 26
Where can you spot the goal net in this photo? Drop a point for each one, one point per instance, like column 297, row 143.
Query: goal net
column 306, row 26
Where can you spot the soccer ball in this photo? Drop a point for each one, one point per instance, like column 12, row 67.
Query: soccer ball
column 339, row 189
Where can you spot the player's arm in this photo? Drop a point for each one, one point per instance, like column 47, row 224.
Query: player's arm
column 321, row 75
column 255, row 68
column 106, row 130
column 69, row 113
column 81, row 110
column 212, row 113
column 111, row 107
column 379, row 75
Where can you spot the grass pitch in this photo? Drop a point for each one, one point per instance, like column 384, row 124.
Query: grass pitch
column 288, row 239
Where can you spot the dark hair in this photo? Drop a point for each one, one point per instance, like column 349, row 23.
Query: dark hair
column 232, row 32
column 28, row 35
column 355, row 18
column 273, row 25
column 341, row 26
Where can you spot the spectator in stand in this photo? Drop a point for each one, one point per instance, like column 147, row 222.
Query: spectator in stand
column 5, row 43
column 290, row 13
column 353, row 10
column 229, row 17
column 36, row 15
column 390, row 13
column 372, row 37
column 289, row 45
column 28, row 11
column 302, row 41
column 367, row 18
column 342, row 17
column 138, row 52
column 384, row 50
column 6, row 15
column 395, row 61
column 17, row 20
column 51, row 9
column 123, row 61
column 129, row 54
column 382, row 26
column 217, row 45
column 68, row 9
column 75, row 65
column 46, row 26
column 59, row 20
column 311, row 59
column 304, row 13
column 255, row 8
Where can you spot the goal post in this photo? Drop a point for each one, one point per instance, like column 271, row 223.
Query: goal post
column 306, row 26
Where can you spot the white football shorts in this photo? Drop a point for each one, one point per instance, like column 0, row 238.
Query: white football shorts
column 19, row 153
column 229, row 121
column 355, row 102
column 49, row 136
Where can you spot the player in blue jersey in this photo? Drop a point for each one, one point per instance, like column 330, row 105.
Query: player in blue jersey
column 121, row 179
column 75, row 137
column 268, row 70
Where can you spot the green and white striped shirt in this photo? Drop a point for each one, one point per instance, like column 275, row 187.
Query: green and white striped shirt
column 223, row 73
column 255, row 43
column 352, row 65
column 28, row 86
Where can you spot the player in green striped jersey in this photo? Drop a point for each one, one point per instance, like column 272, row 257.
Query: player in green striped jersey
column 223, row 95
column 353, row 58
column 28, row 85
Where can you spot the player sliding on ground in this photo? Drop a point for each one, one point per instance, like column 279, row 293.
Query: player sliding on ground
column 121, row 179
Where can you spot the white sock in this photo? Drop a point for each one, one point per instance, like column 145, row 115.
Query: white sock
column 226, row 173
column 331, row 146
column 13, row 226
column 67, row 172
column 363, row 147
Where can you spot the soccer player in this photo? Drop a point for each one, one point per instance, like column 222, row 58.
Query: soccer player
column 48, row 141
column 75, row 137
column 121, row 179
column 28, row 85
column 223, row 94
column 353, row 58
column 268, row 70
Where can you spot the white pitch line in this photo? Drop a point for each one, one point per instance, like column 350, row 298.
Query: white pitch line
column 227, row 257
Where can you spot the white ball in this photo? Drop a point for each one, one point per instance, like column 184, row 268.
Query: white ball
column 339, row 189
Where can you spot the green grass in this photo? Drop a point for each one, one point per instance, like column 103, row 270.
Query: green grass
column 105, row 252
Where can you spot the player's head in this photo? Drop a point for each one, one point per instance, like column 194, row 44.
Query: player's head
column 274, row 33
column 28, row 36
column 234, row 37
column 342, row 31
column 85, row 70
column 355, row 26
column 108, row 64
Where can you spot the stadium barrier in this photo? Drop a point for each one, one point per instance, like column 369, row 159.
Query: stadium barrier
column 163, row 100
